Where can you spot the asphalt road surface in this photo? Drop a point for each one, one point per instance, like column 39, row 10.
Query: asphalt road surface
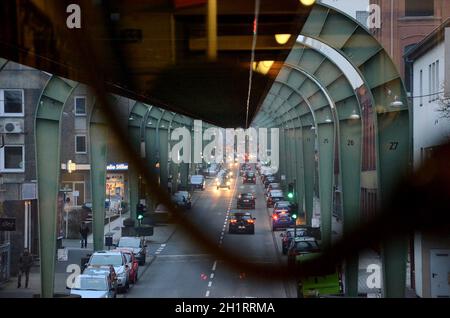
column 182, row 268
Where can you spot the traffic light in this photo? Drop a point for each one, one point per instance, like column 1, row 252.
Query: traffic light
column 140, row 210
column 291, row 191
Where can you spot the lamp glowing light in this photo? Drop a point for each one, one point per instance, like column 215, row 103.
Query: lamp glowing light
column 307, row 2
column 282, row 38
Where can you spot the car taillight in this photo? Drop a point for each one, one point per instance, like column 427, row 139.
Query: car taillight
column 233, row 221
column 251, row 221
column 275, row 217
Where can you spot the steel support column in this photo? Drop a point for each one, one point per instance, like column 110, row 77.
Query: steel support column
column 325, row 136
column 98, row 136
column 309, row 166
column 47, row 134
column 350, row 135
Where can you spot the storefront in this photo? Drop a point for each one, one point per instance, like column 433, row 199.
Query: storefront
column 116, row 185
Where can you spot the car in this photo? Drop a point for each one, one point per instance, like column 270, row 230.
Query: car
column 132, row 262
column 223, row 182
column 197, row 182
column 272, row 186
column 137, row 244
column 182, row 199
column 118, row 261
column 246, row 201
column 241, row 222
column 244, row 168
column 274, row 196
column 289, row 234
column 249, row 177
column 301, row 246
column 285, row 205
column 93, row 286
column 270, row 179
column 107, row 270
column 281, row 219
column 212, row 170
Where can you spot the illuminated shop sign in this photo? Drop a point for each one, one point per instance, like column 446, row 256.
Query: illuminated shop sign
column 117, row 166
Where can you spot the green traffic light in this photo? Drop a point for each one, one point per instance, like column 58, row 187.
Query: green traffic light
column 290, row 195
column 140, row 217
column 294, row 216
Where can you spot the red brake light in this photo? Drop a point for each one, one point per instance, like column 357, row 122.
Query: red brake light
column 275, row 217
column 233, row 221
column 251, row 221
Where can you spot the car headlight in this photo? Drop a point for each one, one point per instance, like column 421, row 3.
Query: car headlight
column 228, row 182
column 218, row 183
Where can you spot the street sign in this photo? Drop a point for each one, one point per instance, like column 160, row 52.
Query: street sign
column 76, row 193
column 7, row 224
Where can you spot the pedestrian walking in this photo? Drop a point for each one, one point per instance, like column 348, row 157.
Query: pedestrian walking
column 25, row 263
column 84, row 231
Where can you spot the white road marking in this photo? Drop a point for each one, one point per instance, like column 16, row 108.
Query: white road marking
column 209, row 284
column 157, row 252
column 214, row 266
column 212, row 276
column 207, row 293
column 163, row 245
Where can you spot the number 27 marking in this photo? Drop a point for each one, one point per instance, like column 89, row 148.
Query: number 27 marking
column 393, row 145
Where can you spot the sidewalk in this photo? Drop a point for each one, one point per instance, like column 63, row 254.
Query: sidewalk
column 161, row 235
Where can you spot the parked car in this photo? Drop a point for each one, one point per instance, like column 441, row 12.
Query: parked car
column 272, row 186
column 118, row 261
column 274, row 196
column 132, row 262
column 290, row 233
column 137, row 245
column 301, row 246
column 93, row 286
column 107, row 270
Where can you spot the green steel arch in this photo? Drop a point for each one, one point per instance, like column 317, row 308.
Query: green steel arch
column 383, row 86
column 47, row 140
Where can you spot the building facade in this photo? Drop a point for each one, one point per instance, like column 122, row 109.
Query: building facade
column 404, row 23
column 20, row 90
column 430, row 61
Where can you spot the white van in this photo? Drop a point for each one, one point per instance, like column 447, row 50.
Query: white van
column 197, row 182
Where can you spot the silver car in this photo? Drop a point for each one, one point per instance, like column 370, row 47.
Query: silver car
column 118, row 261
column 93, row 286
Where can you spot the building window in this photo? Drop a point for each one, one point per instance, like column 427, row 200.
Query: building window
column 80, row 106
column 80, row 144
column 429, row 83
column 419, row 8
column 436, row 81
column 12, row 159
column 433, row 80
column 11, row 102
column 77, row 195
column 421, row 88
